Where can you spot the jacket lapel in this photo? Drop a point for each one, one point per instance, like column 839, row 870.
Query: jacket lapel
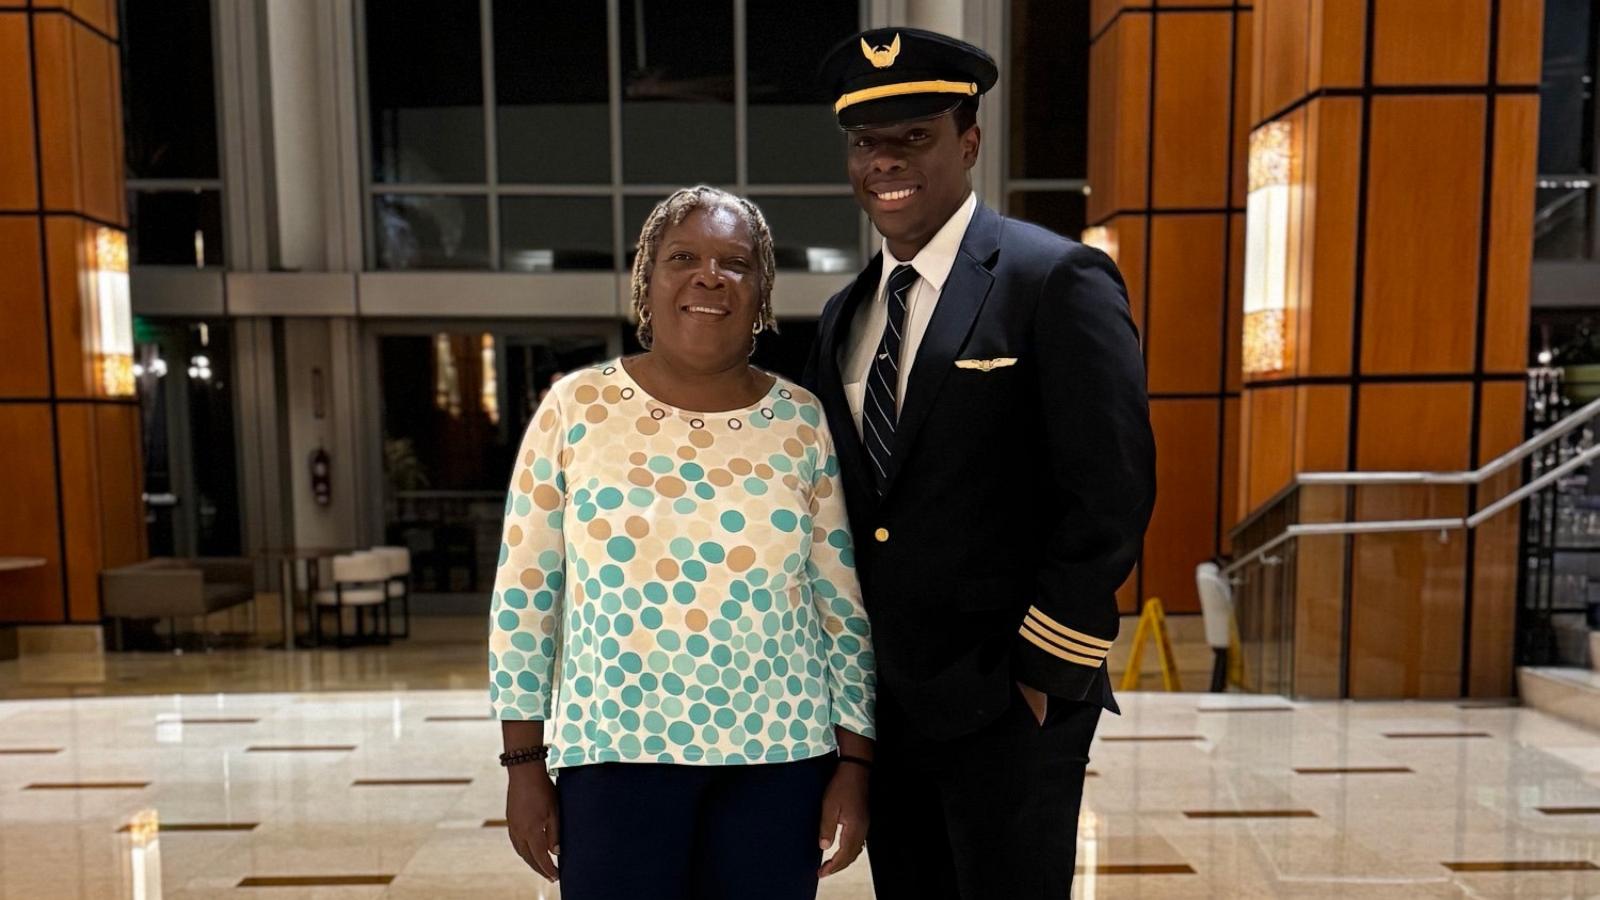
column 830, row 382
column 963, row 296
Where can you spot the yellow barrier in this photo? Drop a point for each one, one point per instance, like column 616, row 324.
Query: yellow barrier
column 1152, row 623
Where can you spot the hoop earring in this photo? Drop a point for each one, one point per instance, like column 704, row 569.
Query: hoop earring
column 758, row 327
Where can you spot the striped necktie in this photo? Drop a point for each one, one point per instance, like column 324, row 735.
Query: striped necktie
column 881, row 411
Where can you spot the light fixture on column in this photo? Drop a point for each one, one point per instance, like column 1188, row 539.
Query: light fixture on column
column 1266, row 253
column 489, row 383
column 1101, row 238
column 111, row 338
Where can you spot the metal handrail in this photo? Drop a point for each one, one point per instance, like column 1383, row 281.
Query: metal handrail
column 1453, row 523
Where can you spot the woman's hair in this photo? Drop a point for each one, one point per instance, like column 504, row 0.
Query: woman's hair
column 672, row 211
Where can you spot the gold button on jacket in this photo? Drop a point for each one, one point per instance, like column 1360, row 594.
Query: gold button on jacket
column 882, row 534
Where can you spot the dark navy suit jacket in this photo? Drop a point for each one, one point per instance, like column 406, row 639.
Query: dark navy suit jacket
column 1021, row 483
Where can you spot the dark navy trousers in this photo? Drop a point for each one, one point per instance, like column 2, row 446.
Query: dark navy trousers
column 643, row 831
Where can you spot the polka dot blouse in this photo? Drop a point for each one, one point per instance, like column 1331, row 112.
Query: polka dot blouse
column 675, row 586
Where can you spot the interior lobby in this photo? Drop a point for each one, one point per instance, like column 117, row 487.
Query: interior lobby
column 285, row 281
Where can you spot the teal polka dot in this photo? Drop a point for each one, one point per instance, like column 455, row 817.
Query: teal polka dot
column 660, row 465
column 784, row 520
column 839, row 539
column 623, row 624
column 631, row 663
column 683, row 592
column 721, row 630
column 503, row 679
column 586, row 512
column 609, row 498
column 523, row 506
column 628, row 745
column 640, row 497
column 543, row 600
column 668, row 640
column 658, row 661
column 514, row 660
column 784, row 410
column 681, row 733
column 654, row 723
column 697, row 645
column 740, row 590
column 505, row 553
column 733, row 521
column 809, row 414
column 620, row 548
column 705, row 491
column 549, row 559
column 681, row 548
column 611, row 577
column 527, row 681
column 683, row 506
column 712, row 552
column 516, row 598
column 725, row 718
column 522, row 641
column 650, row 618
column 509, row 620
column 691, row 471
column 576, row 433
column 542, row 469
column 732, row 610
column 694, row 570
column 755, row 486
column 780, row 462
column 655, row 592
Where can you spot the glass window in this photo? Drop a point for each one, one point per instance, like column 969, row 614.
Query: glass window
column 431, row 231
column 1566, row 95
column 794, row 136
column 425, row 91
column 1564, row 225
column 1048, row 89
column 814, row 234
column 169, row 102
column 677, row 91
column 553, row 113
column 176, row 228
column 1060, row 211
column 544, row 234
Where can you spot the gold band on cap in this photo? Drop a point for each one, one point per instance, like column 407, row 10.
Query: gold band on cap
column 903, row 88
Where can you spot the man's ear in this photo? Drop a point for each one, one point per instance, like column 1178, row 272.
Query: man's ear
column 971, row 139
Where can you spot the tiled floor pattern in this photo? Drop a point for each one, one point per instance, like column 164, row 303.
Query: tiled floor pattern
column 398, row 794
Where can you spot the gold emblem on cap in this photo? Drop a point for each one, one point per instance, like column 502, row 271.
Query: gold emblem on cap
column 881, row 57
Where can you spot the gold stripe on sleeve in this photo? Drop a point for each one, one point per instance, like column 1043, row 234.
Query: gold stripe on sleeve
column 1064, row 631
column 1055, row 651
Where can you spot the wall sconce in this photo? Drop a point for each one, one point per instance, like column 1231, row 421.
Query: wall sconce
column 489, row 382
column 111, row 341
column 1101, row 238
column 1266, row 252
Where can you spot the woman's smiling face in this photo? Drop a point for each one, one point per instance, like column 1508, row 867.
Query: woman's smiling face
column 703, row 295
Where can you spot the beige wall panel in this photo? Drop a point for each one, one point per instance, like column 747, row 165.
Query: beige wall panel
column 1322, row 428
column 1431, row 42
column 1185, row 319
column 24, row 365
column 1421, row 283
column 1269, row 448
column 1193, row 87
column 1338, row 43
column 1414, row 427
column 1180, row 534
column 1516, row 136
column 1327, row 252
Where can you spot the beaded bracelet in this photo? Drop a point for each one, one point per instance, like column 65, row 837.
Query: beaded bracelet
column 523, row 755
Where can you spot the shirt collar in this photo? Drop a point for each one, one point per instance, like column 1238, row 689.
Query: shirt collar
column 935, row 260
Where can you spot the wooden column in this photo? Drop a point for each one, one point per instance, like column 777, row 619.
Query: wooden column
column 70, row 472
column 1168, row 97
column 1412, row 128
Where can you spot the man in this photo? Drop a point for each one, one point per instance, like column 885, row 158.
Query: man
column 983, row 382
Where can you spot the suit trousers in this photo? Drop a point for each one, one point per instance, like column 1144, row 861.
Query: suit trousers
column 991, row 815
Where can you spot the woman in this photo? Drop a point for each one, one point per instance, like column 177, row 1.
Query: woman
column 675, row 609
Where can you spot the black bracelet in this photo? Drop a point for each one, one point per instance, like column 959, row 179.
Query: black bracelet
column 523, row 755
column 864, row 763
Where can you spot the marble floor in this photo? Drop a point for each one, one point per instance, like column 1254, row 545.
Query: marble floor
column 394, row 793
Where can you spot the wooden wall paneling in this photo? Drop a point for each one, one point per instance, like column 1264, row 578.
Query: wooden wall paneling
column 102, row 14
column 1423, row 214
column 1233, row 377
column 1281, row 28
column 1494, row 589
column 1430, row 42
column 1414, row 426
column 1333, row 172
column 1406, row 615
column 1102, row 137
column 1186, row 300
column 1193, row 88
column 121, row 482
column 1243, row 55
column 81, row 509
column 18, row 187
column 1270, row 443
column 1130, row 231
column 1180, row 535
column 1229, row 494
column 56, row 71
column 71, row 328
column 1322, row 428
column 30, row 524
column 1101, row 12
column 99, row 112
column 1300, row 223
column 24, row 366
column 1338, row 44
column 1319, row 594
column 1521, row 42
column 1132, row 94
column 1510, row 255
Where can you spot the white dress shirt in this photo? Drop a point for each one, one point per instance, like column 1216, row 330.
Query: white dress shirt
column 933, row 264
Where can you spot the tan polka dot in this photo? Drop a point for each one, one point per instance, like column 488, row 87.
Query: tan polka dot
column 793, row 447
column 548, row 420
column 807, row 434
column 547, row 625
column 831, row 623
column 763, row 471
column 612, row 394
column 546, row 497
column 741, row 558
column 514, row 535
column 646, row 425
column 528, row 458
column 641, row 477
column 686, row 453
column 818, row 535
column 701, row 439
column 596, row 414
column 586, row 394
column 740, row 466
column 525, row 482
column 720, row 477
column 666, row 569
column 669, row 486
column 698, row 529
column 636, row 527
column 565, row 458
column 695, row 619
column 637, row 458
column 532, row 579
column 791, row 482
column 600, row 529
column 825, row 487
